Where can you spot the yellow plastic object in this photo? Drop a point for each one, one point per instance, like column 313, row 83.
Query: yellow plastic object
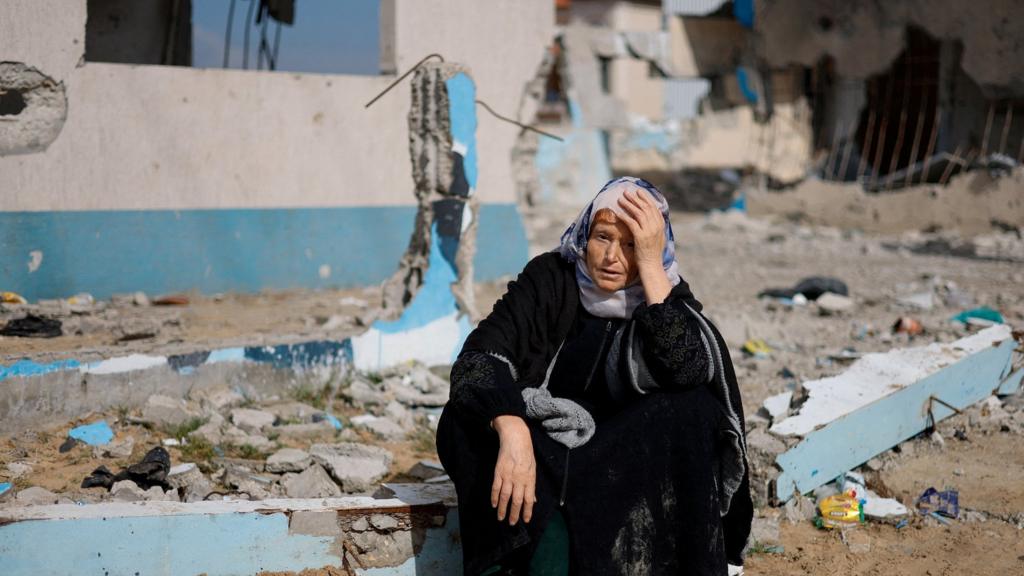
column 840, row 510
column 757, row 348
column 12, row 298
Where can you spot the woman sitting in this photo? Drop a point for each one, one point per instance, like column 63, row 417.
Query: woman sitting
column 595, row 425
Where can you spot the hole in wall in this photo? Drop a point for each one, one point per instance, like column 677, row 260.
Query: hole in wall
column 12, row 102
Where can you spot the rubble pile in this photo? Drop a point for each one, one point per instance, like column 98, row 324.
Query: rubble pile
column 220, row 444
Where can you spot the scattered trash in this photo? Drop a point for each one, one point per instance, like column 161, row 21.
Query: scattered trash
column 171, row 442
column 811, row 288
column 934, row 502
column 67, row 445
column 983, row 316
column 81, row 299
column 907, row 325
column 151, row 471
column 846, row 354
column 873, row 505
column 95, row 434
column 320, row 417
column 32, row 326
column 757, row 348
column 920, row 301
column 171, row 300
column 12, row 298
column 839, row 511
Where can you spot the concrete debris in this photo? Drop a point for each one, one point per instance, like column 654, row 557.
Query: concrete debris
column 799, row 510
column 37, row 496
column 918, row 301
column 217, row 398
column 383, row 522
column 120, row 449
column 313, row 482
column 856, row 540
column 288, row 460
column 252, row 421
column 426, row 469
column 764, row 531
column 16, row 470
column 312, row 430
column 293, row 412
column 190, row 482
column 777, row 407
column 361, row 393
column 165, row 412
column 128, row 491
column 384, row 427
column 357, row 467
column 829, row 303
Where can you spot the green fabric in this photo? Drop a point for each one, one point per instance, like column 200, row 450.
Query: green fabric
column 552, row 555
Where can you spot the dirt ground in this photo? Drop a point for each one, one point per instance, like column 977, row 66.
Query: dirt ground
column 727, row 259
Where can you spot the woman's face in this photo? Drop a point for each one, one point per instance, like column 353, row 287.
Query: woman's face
column 610, row 259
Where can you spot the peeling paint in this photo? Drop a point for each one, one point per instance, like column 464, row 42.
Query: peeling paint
column 35, row 260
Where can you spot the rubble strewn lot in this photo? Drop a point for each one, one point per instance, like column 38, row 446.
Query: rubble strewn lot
column 352, row 434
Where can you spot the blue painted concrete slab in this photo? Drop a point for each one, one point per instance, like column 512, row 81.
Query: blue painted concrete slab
column 854, row 438
column 244, row 250
column 95, row 434
column 30, row 368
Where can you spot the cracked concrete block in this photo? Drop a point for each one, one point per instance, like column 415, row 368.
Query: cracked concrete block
column 217, row 398
column 38, row 496
column 288, row 460
column 166, row 412
column 252, row 421
column 188, row 479
column 384, row 522
column 381, row 426
column 313, row 482
column 128, row 491
column 33, row 108
column 361, row 393
column 356, row 466
column 120, row 449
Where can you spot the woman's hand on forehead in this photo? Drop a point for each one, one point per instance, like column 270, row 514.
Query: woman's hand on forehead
column 644, row 220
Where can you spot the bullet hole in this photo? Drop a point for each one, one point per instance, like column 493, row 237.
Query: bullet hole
column 12, row 102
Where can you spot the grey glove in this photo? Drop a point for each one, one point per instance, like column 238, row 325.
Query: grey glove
column 565, row 421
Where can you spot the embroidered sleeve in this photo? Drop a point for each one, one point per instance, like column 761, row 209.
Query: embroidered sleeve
column 675, row 348
column 484, row 387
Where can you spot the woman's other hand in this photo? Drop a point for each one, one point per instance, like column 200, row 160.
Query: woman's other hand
column 645, row 221
column 515, row 473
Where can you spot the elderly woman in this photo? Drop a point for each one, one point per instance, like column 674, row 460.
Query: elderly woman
column 595, row 425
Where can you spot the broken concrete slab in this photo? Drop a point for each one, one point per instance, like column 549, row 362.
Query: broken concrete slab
column 381, row 426
column 38, row 496
column 777, row 406
column 884, row 399
column 288, row 460
column 120, row 449
column 252, row 421
column 313, row 482
column 829, row 303
column 217, row 398
column 166, row 412
column 357, row 467
column 128, row 491
column 190, row 482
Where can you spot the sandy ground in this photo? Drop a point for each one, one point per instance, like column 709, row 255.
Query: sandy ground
column 727, row 259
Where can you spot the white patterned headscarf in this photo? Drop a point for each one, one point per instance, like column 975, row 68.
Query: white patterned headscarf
column 621, row 303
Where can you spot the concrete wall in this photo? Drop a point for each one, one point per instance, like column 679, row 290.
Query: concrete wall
column 144, row 146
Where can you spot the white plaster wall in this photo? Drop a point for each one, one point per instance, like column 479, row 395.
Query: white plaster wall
column 154, row 137
column 503, row 43
column 48, row 35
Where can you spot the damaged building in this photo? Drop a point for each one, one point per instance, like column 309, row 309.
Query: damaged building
column 884, row 117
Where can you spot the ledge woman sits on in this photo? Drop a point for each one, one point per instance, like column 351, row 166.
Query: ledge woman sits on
column 596, row 408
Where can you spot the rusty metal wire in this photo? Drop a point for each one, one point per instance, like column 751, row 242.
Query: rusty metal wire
column 403, row 76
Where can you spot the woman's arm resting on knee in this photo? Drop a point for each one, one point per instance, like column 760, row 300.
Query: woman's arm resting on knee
column 515, row 473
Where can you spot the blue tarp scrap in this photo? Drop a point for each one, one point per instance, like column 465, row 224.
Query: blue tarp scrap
column 95, row 434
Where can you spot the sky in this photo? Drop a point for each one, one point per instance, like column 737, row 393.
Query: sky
column 329, row 36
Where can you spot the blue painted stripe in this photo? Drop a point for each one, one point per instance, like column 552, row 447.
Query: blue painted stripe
column 244, row 250
column 30, row 368
column 462, row 112
column 434, row 298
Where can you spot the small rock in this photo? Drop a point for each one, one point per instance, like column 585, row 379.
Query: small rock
column 295, row 412
column 937, row 439
column 211, row 432
column 166, row 412
column 188, row 479
column 313, row 482
column 37, row 496
column 128, row 491
column 764, row 531
column 383, row 522
column 324, row 427
column 829, row 304
column 426, row 469
column 120, row 449
column 357, row 467
column 288, row 460
column 217, row 398
column 399, row 414
column 140, row 299
column 238, row 437
column 385, row 428
column 919, row 301
column 799, row 509
column 18, row 469
column 360, row 525
column 874, row 464
column 252, row 421
column 361, row 393
column 972, row 516
column 856, row 540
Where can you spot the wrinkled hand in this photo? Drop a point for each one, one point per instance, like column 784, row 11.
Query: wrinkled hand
column 644, row 220
column 515, row 473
